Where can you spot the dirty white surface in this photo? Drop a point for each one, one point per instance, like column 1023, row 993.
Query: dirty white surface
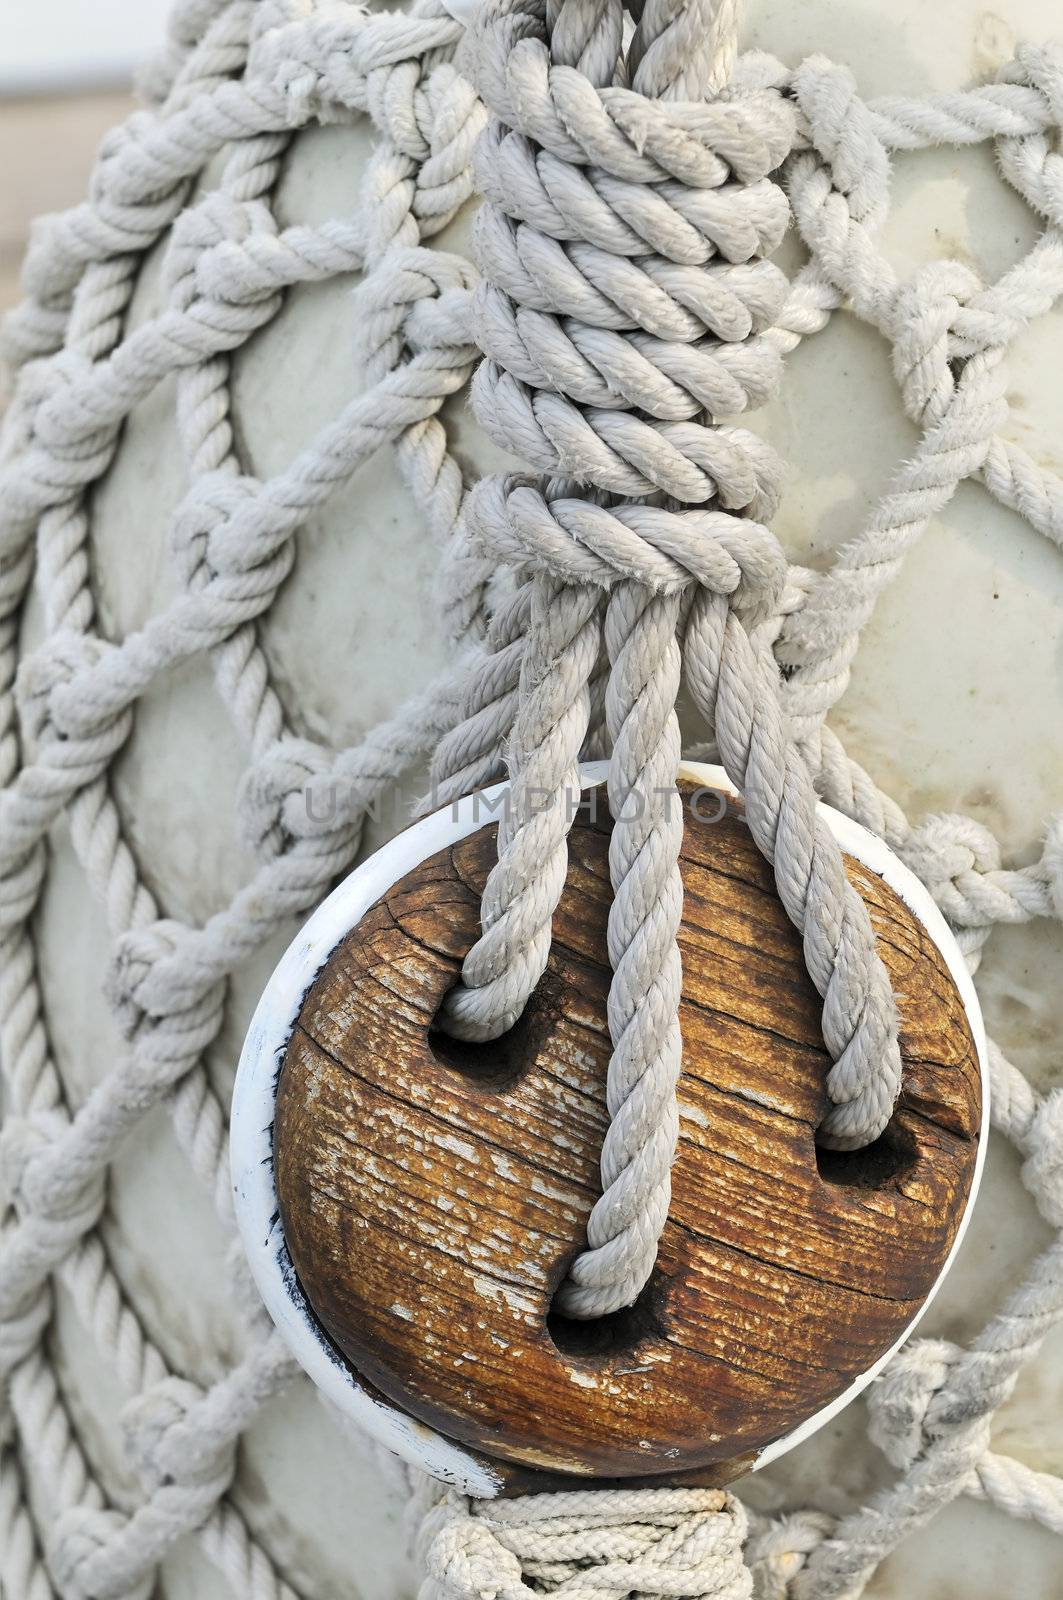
column 254, row 1108
column 956, row 703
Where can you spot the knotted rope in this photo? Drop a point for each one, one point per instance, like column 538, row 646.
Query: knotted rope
column 661, row 209
column 238, row 81
column 685, row 1543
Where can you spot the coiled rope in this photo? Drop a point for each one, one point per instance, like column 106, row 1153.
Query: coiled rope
column 240, row 79
column 668, row 208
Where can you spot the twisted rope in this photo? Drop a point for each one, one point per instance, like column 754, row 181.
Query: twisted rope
column 626, row 295
column 679, row 1542
column 622, row 411
column 248, row 76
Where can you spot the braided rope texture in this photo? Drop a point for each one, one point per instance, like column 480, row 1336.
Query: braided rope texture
column 238, row 83
column 640, row 190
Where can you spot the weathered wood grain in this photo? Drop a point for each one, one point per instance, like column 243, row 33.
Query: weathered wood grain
column 433, row 1193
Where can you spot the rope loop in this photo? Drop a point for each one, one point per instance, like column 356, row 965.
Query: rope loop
column 628, row 302
column 624, row 307
column 69, row 1201
column 157, row 982
column 578, row 541
column 165, row 1448
column 50, row 680
column 80, row 1558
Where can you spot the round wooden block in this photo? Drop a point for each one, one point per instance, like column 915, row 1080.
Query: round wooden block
column 432, row 1193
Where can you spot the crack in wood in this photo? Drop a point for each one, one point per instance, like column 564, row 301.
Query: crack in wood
column 770, row 1295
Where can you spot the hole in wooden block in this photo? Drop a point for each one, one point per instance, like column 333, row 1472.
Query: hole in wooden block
column 605, row 1336
column 499, row 1063
column 876, row 1166
column 411, row 1163
column 495, row 1063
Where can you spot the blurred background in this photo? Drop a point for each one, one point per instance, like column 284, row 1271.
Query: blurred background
column 66, row 72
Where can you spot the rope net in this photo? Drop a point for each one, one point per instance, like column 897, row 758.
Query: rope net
column 197, row 171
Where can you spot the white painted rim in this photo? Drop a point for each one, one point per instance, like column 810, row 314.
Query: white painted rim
column 251, row 1138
